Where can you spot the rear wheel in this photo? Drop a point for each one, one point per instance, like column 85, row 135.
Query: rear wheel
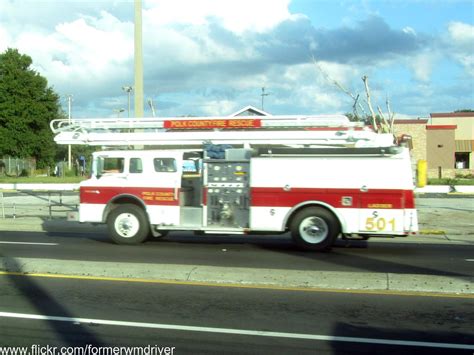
column 127, row 224
column 314, row 228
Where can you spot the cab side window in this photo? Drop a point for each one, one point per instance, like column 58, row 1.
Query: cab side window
column 165, row 165
column 136, row 166
column 112, row 165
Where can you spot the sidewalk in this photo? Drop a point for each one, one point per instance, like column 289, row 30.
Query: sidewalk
column 328, row 281
column 445, row 191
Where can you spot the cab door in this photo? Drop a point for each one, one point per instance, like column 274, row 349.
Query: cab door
column 161, row 194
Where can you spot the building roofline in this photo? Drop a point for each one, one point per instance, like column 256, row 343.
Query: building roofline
column 452, row 114
column 411, row 121
column 249, row 107
column 441, row 127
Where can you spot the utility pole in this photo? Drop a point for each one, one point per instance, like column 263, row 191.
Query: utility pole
column 263, row 94
column 69, row 109
column 138, row 60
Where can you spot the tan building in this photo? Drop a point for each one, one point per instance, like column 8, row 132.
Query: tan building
column 463, row 136
column 446, row 143
column 417, row 130
column 440, row 148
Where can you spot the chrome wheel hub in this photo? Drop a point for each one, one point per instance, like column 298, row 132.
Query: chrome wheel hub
column 313, row 230
column 126, row 225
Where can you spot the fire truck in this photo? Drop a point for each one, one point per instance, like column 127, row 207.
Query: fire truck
column 315, row 177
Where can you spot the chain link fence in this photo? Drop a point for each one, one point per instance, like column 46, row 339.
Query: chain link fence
column 17, row 167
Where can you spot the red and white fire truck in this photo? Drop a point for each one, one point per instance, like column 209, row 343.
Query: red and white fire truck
column 317, row 177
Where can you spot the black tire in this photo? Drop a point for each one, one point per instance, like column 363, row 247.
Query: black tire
column 128, row 224
column 314, row 228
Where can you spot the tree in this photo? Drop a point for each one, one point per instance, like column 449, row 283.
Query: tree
column 27, row 105
column 379, row 122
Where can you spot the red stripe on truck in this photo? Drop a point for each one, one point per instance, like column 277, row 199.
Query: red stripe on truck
column 149, row 195
column 265, row 196
column 338, row 198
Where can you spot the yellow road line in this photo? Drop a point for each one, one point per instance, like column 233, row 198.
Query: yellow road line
column 431, row 231
column 249, row 286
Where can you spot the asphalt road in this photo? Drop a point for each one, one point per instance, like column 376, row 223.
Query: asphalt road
column 253, row 252
column 241, row 319
column 207, row 320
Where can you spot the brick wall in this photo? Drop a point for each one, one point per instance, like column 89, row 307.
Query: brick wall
column 445, row 173
column 417, row 130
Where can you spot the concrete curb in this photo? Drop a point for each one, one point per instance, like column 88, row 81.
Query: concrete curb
column 285, row 279
column 445, row 189
column 431, row 232
column 43, row 224
column 39, row 187
column 444, row 195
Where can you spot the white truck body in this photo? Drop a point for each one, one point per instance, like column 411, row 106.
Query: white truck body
column 369, row 194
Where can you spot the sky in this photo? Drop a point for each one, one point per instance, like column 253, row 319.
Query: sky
column 213, row 57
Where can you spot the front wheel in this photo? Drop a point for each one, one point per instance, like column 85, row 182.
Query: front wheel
column 314, row 228
column 127, row 224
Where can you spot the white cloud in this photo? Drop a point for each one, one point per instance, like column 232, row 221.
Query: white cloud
column 97, row 42
column 343, row 74
column 422, row 65
column 461, row 33
column 5, row 39
column 460, row 42
column 219, row 107
column 213, row 56
column 82, row 56
column 409, row 30
column 236, row 16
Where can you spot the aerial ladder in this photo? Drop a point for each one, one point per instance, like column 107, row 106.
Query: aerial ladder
column 242, row 131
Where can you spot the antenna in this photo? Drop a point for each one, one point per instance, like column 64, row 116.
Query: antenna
column 152, row 107
column 263, row 94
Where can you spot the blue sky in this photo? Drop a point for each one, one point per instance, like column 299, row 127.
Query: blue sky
column 422, row 15
column 212, row 57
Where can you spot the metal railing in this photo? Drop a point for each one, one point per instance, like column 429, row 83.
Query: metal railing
column 36, row 204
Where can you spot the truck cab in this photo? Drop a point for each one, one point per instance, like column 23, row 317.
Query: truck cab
column 150, row 180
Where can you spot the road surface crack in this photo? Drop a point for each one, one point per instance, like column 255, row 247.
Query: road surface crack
column 189, row 274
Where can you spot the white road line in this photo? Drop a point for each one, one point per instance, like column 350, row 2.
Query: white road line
column 238, row 331
column 28, row 243
column 469, row 259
